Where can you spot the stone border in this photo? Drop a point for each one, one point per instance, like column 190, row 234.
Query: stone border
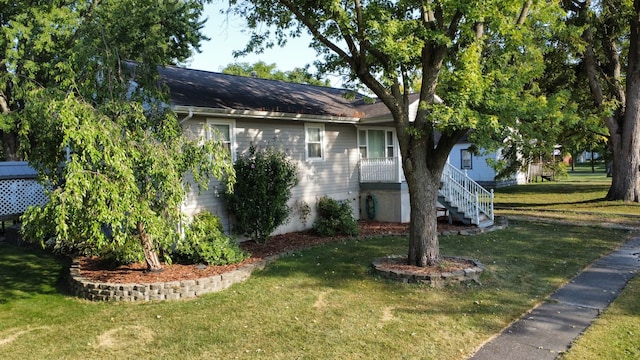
column 434, row 279
column 187, row 289
column 499, row 223
column 171, row 290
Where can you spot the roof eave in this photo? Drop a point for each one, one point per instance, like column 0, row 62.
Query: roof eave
column 270, row 115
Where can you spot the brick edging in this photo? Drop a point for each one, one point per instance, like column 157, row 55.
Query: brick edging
column 186, row 289
column 440, row 279
column 170, row 290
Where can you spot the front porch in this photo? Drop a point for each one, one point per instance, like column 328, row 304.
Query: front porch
column 385, row 195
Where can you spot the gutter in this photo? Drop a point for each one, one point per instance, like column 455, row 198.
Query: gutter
column 254, row 114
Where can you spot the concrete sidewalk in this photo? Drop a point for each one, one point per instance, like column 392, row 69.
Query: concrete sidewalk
column 549, row 329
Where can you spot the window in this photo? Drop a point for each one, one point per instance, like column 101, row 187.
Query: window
column 224, row 131
column 466, row 159
column 314, row 141
column 390, row 144
column 374, row 143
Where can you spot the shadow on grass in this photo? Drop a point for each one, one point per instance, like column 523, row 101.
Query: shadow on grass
column 26, row 272
column 555, row 188
column 547, row 204
column 338, row 262
column 530, row 258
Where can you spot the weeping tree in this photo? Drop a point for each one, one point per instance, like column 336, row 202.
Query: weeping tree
column 480, row 57
column 111, row 154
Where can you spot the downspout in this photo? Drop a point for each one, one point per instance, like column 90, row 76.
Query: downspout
column 189, row 116
column 181, row 224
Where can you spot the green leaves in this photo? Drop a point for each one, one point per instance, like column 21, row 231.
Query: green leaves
column 110, row 168
column 109, row 151
column 263, row 70
column 206, row 242
column 259, row 200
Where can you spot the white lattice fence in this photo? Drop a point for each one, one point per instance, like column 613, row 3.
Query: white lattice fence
column 17, row 195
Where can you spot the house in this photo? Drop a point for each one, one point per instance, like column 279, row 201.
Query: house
column 344, row 146
column 477, row 166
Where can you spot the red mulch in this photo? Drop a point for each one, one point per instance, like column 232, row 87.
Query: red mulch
column 93, row 270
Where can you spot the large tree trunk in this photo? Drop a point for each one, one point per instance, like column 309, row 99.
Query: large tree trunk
column 423, row 164
column 10, row 146
column 150, row 255
column 424, row 246
column 625, row 136
column 625, row 183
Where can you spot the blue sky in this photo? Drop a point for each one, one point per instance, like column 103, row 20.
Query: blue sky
column 226, row 34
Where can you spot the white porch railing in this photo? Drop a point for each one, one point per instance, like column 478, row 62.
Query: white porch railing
column 467, row 195
column 380, row 170
column 459, row 191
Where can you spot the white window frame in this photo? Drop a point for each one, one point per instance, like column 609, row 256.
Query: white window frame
column 387, row 145
column 232, row 133
column 307, row 141
column 462, row 160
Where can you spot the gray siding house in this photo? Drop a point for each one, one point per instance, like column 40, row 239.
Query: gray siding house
column 344, row 147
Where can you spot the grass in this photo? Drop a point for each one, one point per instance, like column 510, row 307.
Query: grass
column 322, row 302
column 579, row 197
column 615, row 334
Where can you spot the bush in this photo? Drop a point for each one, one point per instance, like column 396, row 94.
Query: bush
column 205, row 242
column 264, row 179
column 128, row 253
column 335, row 218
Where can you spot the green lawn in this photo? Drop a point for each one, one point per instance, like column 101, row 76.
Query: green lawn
column 579, row 197
column 322, row 302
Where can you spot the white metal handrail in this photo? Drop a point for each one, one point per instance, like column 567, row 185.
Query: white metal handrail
column 457, row 187
column 466, row 194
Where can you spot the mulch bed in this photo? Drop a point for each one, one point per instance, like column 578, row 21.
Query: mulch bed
column 94, row 270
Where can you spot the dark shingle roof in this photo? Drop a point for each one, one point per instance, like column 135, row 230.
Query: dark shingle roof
column 215, row 90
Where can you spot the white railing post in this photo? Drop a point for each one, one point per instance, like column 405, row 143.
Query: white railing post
column 492, row 212
column 477, row 208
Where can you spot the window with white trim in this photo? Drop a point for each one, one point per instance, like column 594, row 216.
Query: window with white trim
column 314, row 141
column 224, row 131
column 466, row 159
column 376, row 143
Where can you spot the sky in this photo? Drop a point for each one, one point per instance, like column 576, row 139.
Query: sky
column 226, row 34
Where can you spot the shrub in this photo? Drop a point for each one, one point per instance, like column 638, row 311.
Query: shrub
column 335, row 218
column 128, row 253
column 206, row 242
column 264, row 179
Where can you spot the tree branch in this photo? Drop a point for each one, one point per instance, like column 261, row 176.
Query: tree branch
column 524, row 12
column 316, row 32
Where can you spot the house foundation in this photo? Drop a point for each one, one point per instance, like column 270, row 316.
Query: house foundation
column 388, row 202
